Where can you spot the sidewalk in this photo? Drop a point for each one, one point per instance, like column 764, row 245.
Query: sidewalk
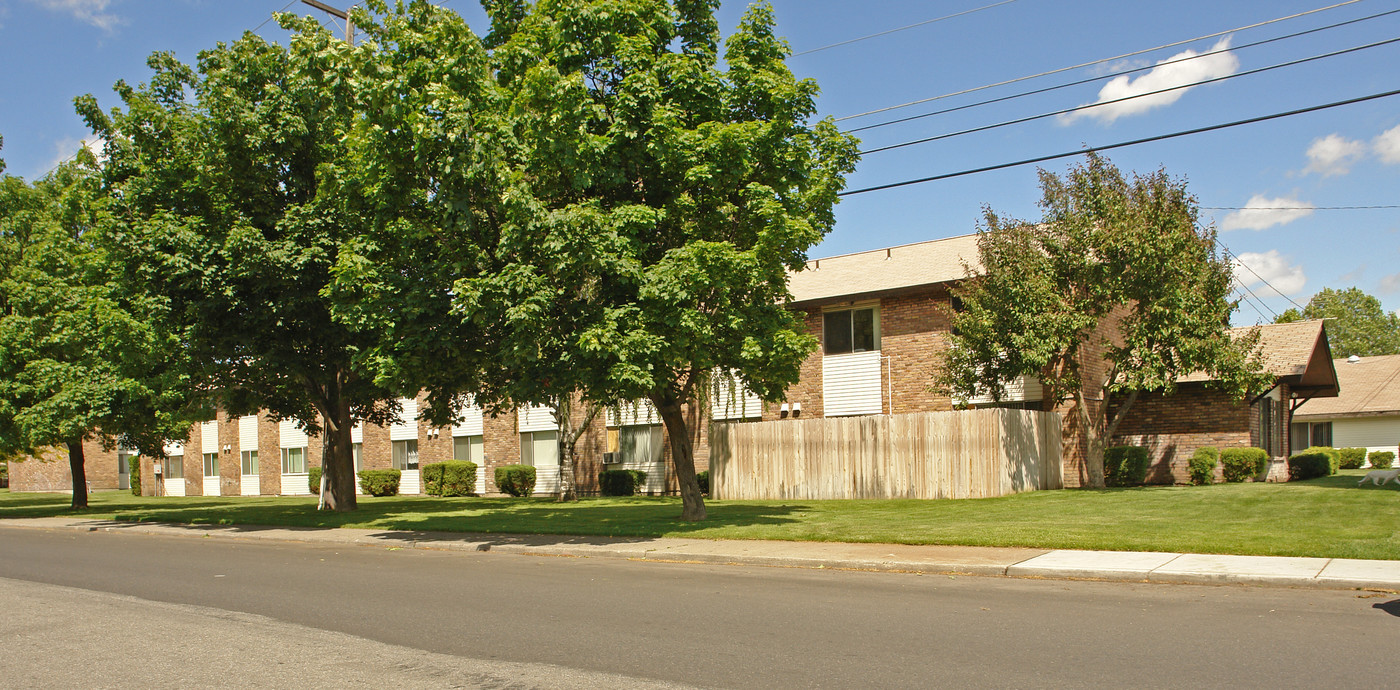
column 1123, row 566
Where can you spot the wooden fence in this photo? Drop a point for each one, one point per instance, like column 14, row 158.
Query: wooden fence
column 968, row 454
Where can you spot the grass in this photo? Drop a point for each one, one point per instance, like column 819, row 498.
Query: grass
column 1328, row 517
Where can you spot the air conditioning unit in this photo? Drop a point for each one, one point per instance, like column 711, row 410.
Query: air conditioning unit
column 612, row 458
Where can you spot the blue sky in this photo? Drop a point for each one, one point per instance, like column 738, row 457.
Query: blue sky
column 53, row 50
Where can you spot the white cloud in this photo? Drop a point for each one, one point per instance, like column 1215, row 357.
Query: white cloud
column 1333, row 155
column 1387, row 145
column 92, row 12
column 1261, row 212
column 1389, row 284
column 64, row 149
column 1253, row 268
column 1185, row 68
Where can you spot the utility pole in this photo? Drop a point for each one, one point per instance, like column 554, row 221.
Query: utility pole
column 339, row 14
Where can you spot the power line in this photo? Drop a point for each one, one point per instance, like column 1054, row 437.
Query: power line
column 272, row 15
column 1095, row 62
column 1122, row 144
column 902, row 28
column 1134, row 70
column 1256, row 274
column 1064, row 111
column 1245, row 294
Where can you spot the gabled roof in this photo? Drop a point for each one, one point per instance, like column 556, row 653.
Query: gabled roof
column 1370, row 387
column 867, row 274
column 1296, row 353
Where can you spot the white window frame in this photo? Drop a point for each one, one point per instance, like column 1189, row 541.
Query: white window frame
column 872, row 307
column 287, row 464
column 248, row 459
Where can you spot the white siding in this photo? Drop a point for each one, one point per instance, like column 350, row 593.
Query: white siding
column 631, row 413
column 405, row 428
column 481, row 480
column 209, row 437
column 410, row 483
column 851, row 384
column 211, row 486
column 546, row 479
column 729, row 399
column 357, row 433
column 471, row 423
column 291, row 436
column 248, row 433
column 174, row 487
column 174, row 448
column 1371, row 433
column 296, row 485
column 249, row 485
column 536, row 418
column 1019, row 389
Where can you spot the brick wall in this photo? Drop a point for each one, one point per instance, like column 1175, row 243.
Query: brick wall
column 48, row 471
column 1173, row 427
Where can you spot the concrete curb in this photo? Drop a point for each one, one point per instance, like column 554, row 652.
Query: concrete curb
column 1115, row 566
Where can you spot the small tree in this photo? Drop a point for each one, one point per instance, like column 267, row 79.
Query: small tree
column 1356, row 322
column 1116, row 277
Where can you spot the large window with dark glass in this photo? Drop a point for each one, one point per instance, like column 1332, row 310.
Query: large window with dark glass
column 851, row 330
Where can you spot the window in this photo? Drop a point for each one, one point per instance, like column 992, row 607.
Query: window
column 406, row 455
column 468, row 449
column 250, row 462
column 640, row 444
column 211, row 464
column 539, row 448
column 357, row 451
column 1322, row 434
column 1266, row 425
column 851, row 330
column 175, row 467
column 293, row 461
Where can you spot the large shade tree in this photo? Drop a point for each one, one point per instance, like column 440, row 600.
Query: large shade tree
column 1117, row 290
column 1357, row 324
column 79, row 357
column 615, row 219
column 231, row 210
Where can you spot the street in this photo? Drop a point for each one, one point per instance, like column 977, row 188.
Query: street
column 120, row 610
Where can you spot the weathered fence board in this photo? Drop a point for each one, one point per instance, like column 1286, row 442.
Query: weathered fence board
column 967, row 454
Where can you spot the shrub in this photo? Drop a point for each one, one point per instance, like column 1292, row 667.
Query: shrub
column 1239, row 464
column 380, row 482
column 1309, row 466
column 313, row 479
column 1125, row 465
column 704, row 479
column 134, row 463
column 451, row 478
column 1351, row 458
column 516, row 480
column 619, row 482
column 1202, row 465
column 1334, row 456
column 1382, row 459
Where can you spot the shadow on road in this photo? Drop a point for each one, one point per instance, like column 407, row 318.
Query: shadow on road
column 1391, row 607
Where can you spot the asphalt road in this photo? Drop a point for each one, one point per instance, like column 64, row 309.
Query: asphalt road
column 145, row 611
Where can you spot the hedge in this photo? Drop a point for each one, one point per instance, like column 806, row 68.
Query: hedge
column 1239, row 464
column 1382, row 459
column 1125, row 465
column 380, row 482
column 1309, row 466
column 516, row 480
column 704, row 479
column 134, row 463
column 313, row 479
column 1202, row 465
column 620, row 482
column 1334, row 456
column 451, row 478
column 1351, row 458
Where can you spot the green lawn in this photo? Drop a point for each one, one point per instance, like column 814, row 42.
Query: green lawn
column 1328, row 517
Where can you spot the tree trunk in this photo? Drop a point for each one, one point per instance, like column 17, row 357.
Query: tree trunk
column 337, row 455
column 1093, row 446
column 77, row 467
column 682, row 457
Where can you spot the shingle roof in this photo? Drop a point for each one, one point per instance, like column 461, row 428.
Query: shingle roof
column 1289, row 350
column 880, row 270
column 1369, row 387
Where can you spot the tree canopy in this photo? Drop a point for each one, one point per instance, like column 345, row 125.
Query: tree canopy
column 1357, row 324
column 1117, row 290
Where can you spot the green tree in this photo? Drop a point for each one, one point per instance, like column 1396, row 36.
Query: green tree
column 614, row 218
column 232, row 211
column 1356, row 322
column 78, row 360
column 1116, row 277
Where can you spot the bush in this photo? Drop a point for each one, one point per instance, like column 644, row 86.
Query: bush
column 704, row 479
column 313, row 479
column 1125, row 465
column 1351, row 458
column 134, row 464
column 618, row 482
column 451, row 478
column 1309, row 466
column 1202, row 465
column 1334, row 456
column 516, row 480
column 1239, row 464
column 380, row 482
column 1381, row 459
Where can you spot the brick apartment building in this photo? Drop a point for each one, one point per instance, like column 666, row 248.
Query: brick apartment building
column 882, row 319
